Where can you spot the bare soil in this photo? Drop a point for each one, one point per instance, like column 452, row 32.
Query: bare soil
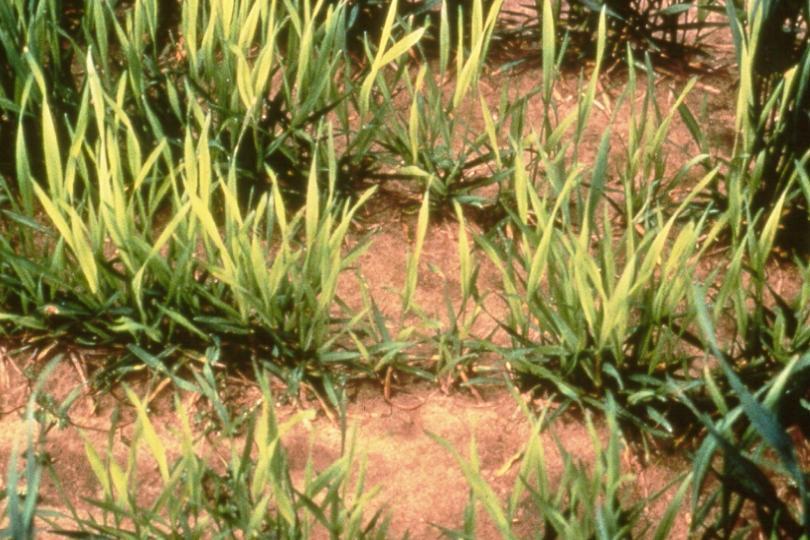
column 421, row 485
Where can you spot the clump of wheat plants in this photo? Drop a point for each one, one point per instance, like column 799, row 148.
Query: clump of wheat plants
column 254, row 496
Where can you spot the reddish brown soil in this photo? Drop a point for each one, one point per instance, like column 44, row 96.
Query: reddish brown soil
column 420, row 483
